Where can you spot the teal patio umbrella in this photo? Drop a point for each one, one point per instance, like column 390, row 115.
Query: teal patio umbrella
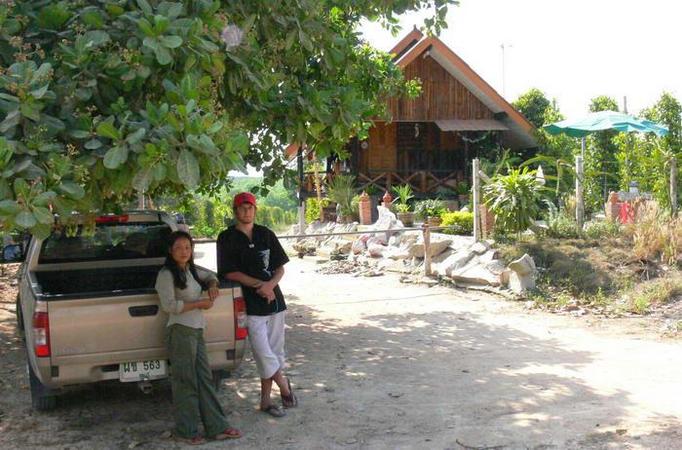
column 605, row 120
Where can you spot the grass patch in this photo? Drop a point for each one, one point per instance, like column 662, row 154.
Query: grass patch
column 643, row 297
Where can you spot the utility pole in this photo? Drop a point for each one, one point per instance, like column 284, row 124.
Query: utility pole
column 504, row 87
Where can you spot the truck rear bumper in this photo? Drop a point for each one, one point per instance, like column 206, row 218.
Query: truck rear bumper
column 63, row 371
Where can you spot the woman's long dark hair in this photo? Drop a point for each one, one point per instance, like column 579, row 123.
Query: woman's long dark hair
column 179, row 276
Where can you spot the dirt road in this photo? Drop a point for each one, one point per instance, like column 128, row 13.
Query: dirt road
column 379, row 364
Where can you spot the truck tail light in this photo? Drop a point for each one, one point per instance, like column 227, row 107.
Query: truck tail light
column 240, row 330
column 41, row 330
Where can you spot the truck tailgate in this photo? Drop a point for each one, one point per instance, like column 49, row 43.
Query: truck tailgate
column 125, row 328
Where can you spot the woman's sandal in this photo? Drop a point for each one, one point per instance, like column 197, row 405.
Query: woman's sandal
column 228, row 433
column 274, row 411
column 289, row 401
column 196, row 440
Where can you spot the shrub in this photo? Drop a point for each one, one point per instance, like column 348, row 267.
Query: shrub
column 312, row 208
column 404, row 195
column 563, row 227
column 429, row 208
column 514, row 199
column 462, row 222
column 341, row 190
column 602, row 229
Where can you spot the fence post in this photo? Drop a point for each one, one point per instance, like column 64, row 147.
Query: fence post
column 673, row 185
column 426, row 232
column 476, row 186
column 579, row 202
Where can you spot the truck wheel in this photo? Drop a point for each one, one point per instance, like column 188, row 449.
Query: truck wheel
column 20, row 319
column 42, row 397
column 218, row 377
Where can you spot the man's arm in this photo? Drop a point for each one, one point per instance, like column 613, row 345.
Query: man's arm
column 246, row 280
column 267, row 288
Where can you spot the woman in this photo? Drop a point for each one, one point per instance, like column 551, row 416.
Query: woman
column 180, row 284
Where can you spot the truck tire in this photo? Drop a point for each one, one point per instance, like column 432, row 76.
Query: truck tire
column 42, row 397
column 20, row 320
column 218, row 377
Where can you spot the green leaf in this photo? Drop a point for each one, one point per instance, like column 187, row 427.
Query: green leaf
column 163, row 56
column 93, row 144
column 171, row 41
column 40, row 92
column 161, row 24
column 202, row 143
column 10, row 98
column 25, row 219
column 43, row 215
column 93, row 18
column 171, row 10
column 97, row 38
column 159, row 171
column 108, row 130
column 44, row 198
column 145, row 7
column 41, row 230
column 114, row 10
column 30, row 111
column 188, row 169
column 11, row 120
column 9, row 207
column 72, row 189
column 53, row 17
column 136, row 136
column 305, row 40
column 151, row 42
column 79, row 134
column 115, row 156
column 142, row 179
column 146, row 27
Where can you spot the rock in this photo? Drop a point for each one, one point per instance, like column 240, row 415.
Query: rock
column 490, row 255
column 522, row 274
column 456, row 261
column 496, row 266
column 438, row 244
column 358, row 246
column 376, row 250
column 480, row 247
column 474, row 273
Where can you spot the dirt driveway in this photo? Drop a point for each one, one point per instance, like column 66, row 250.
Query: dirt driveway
column 380, row 364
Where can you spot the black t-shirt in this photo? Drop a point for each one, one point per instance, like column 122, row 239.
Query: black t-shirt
column 257, row 258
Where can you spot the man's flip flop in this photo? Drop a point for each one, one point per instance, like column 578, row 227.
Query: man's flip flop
column 274, row 411
column 289, row 401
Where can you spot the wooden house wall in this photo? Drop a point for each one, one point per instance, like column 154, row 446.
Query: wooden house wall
column 443, row 97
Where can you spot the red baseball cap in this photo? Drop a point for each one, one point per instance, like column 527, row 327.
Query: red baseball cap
column 243, row 197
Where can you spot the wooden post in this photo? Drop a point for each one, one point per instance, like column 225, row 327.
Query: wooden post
column 579, row 203
column 427, row 249
column 476, row 186
column 673, row 186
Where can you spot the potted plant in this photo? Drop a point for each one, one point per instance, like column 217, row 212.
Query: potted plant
column 463, row 191
column 430, row 210
column 402, row 206
column 341, row 190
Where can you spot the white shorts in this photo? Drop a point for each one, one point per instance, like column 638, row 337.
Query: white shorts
column 266, row 335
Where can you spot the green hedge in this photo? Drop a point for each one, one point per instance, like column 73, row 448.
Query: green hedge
column 462, row 222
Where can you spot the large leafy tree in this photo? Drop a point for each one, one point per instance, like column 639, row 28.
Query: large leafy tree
column 533, row 104
column 601, row 166
column 101, row 100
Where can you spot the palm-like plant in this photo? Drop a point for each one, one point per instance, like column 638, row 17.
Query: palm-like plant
column 404, row 194
column 341, row 190
column 514, row 199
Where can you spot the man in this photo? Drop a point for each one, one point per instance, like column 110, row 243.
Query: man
column 252, row 255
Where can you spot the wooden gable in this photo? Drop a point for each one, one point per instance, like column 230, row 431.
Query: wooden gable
column 443, row 97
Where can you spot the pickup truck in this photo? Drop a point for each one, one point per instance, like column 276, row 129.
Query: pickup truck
column 89, row 312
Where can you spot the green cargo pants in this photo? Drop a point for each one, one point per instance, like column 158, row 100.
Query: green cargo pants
column 192, row 384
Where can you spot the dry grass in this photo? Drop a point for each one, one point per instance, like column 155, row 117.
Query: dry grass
column 655, row 236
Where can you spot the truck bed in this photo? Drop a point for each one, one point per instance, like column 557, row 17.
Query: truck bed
column 83, row 283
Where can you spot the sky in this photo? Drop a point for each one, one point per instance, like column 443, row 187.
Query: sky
column 571, row 50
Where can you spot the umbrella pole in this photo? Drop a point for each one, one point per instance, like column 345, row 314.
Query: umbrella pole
column 579, row 204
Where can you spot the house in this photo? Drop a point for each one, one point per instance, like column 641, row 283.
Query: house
column 432, row 139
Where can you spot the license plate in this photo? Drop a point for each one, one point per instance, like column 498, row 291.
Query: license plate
column 143, row 370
